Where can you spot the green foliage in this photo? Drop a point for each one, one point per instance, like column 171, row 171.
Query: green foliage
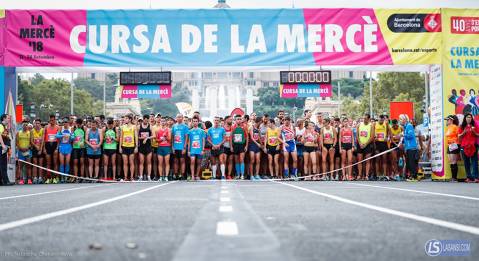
column 95, row 87
column 349, row 87
column 50, row 96
column 270, row 102
column 166, row 106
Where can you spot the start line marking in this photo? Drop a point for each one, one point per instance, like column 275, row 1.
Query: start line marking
column 428, row 220
column 54, row 191
column 38, row 218
column 416, row 191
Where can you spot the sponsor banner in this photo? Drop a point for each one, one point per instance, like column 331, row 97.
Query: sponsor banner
column 305, row 90
column 213, row 37
column 437, row 121
column 146, row 92
column 413, row 36
column 460, row 67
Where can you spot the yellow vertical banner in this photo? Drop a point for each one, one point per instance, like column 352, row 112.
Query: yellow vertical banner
column 460, row 64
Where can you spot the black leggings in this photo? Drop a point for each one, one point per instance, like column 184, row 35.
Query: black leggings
column 411, row 162
column 3, row 169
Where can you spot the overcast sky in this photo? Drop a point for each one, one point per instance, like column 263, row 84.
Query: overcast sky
column 158, row 4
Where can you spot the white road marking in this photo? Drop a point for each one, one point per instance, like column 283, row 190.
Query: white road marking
column 224, row 192
column 226, row 228
column 225, row 199
column 417, row 191
column 55, row 191
column 225, row 209
column 38, row 218
column 428, row 220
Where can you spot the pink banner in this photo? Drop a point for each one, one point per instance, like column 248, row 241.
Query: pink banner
column 350, row 21
column 42, row 38
column 129, row 92
column 165, row 91
column 325, row 90
column 289, row 91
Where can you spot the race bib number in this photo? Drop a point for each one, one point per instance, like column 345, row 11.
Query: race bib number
column 52, row 138
column 66, row 138
column 272, row 140
column 144, row 134
column 327, row 136
column 255, row 136
column 347, row 139
column 310, row 139
column 216, row 135
column 77, row 140
column 363, row 133
column 288, row 136
column 128, row 139
column 195, row 144
column 93, row 141
column 109, row 140
column 453, row 147
column 177, row 138
column 37, row 141
column 238, row 138
column 380, row 136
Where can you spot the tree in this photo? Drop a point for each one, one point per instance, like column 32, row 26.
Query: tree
column 349, row 87
column 396, row 86
column 270, row 102
column 51, row 96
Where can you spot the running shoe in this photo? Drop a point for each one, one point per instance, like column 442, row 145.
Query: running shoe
column 40, row 180
column 469, row 180
column 242, row 177
column 411, row 180
column 188, row 178
column 140, row 178
column 149, row 179
column 29, row 182
column 55, row 181
column 21, row 182
column 48, row 181
column 166, row 179
column 35, row 180
column 251, row 177
column 223, row 177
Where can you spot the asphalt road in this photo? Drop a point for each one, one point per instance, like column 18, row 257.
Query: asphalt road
column 236, row 220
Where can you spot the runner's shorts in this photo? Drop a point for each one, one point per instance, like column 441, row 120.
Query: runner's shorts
column 217, row 152
column 164, row 151
column 291, row 146
column 252, row 147
column 272, row 150
column 366, row 150
column 24, row 155
column 127, row 150
column 381, row 146
column 50, row 147
column 78, row 153
column 238, row 148
column 109, row 152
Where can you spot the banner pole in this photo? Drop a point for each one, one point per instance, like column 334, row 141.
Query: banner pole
column 339, row 98
column 371, row 94
column 71, row 96
column 104, row 97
